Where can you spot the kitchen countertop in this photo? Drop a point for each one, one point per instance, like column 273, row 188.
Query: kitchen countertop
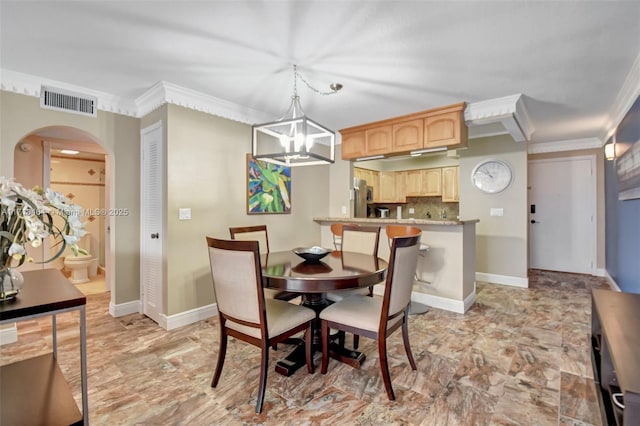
column 394, row 221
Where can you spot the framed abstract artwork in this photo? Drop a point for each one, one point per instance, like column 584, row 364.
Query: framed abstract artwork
column 268, row 187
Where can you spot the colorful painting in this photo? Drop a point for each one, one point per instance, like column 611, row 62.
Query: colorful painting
column 268, row 187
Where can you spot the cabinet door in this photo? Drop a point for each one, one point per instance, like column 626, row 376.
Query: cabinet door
column 387, row 187
column 400, row 193
column 375, row 185
column 414, row 183
column 408, row 136
column 431, row 182
column 378, row 140
column 353, row 145
column 444, row 130
column 450, row 184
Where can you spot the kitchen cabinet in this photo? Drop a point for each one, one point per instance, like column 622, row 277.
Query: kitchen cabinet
column 423, row 182
column 372, row 178
column 378, row 140
column 447, row 129
column 450, row 184
column 408, row 136
column 353, row 145
column 434, row 128
column 389, row 187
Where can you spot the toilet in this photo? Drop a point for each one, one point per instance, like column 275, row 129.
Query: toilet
column 82, row 266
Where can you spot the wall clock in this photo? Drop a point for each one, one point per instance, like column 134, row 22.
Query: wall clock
column 492, row 176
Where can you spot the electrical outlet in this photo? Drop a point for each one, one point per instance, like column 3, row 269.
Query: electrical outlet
column 344, row 209
column 412, row 210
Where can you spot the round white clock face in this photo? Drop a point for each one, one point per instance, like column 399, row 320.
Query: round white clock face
column 492, row 176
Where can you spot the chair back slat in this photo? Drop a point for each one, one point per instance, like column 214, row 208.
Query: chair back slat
column 361, row 239
column 252, row 233
column 236, row 278
column 400, row 275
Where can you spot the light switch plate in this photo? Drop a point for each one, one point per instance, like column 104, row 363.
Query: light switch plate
column 184, row 214
column 344, row 209
column 496, row 211
column 412, row 210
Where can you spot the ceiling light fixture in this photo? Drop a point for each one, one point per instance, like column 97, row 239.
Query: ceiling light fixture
column 69, row 151
column 295, row 139
column 419, row 152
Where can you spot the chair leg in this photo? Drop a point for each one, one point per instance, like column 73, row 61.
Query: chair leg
column 325, row 347
column 341, row 336
column 264, row 364
column 405, row 339
column 308, row 346
column 384, row 367
column 356, row 341
column 221, row 355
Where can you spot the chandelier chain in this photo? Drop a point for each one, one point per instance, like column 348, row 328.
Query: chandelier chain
column 297, row 75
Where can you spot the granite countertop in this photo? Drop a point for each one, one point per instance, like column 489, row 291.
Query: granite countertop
column 394, row 221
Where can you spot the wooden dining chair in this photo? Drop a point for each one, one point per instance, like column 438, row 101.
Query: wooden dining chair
column 376, row 317
column 336, row 233
column 245, row 313
column 259, row 233
column 393, row 231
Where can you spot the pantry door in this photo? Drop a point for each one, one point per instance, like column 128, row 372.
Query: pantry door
column 152, row 229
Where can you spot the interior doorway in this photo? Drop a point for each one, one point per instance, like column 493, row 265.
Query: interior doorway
column 70, row 161
column 562, row 214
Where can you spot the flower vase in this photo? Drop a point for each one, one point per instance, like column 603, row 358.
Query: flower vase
column 11, row 281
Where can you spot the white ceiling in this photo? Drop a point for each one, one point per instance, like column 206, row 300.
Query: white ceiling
column 570, row 60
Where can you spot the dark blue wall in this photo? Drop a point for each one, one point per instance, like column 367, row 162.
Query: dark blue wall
column 623, row 217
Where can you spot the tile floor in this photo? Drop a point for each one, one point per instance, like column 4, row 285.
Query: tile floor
column 517, row 357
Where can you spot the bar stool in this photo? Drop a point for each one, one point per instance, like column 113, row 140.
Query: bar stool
column 406, row 231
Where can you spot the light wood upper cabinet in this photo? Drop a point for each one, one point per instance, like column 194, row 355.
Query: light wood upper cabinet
column 387, row 187
column 450, row 180
column 434, row 128
column 401, row 187
column 408, row 136
column 445, row 129
column 353, row 145
column 372, row 177
column 378, row 140
column 414, row 183
column 431, row 182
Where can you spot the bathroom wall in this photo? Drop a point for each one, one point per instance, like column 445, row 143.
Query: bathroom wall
column 82, row 181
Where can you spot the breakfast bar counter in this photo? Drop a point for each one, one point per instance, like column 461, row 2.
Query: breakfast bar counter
column 448, row 266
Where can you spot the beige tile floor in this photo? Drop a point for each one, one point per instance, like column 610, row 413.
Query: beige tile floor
column 517, row 357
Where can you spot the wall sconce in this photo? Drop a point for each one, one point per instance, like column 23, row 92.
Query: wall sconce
column 610, row 151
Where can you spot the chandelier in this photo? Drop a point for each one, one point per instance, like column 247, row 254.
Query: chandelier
column 295, row 139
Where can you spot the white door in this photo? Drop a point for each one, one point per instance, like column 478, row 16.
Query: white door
column 151, row 221
column 562, row 214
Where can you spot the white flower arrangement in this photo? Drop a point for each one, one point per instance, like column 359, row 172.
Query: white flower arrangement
column 28, row 216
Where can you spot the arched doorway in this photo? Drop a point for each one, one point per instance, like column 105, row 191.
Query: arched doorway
column 73, row 162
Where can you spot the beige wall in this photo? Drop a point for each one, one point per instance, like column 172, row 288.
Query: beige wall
column 206, row 171
column 501, row 242
column 119, row 135
column 600, row 201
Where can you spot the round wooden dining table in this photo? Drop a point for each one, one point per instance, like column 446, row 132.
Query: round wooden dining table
column 286, row 271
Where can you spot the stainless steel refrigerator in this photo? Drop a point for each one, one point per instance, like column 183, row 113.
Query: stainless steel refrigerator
column 359, row 197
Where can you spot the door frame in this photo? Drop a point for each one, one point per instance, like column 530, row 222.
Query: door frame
column 594, row 204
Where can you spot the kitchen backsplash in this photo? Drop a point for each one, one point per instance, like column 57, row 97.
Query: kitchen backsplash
column 423, row 207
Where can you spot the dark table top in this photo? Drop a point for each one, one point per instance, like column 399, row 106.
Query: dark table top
column 619, row 315
column 44, row 290
column 337, row 271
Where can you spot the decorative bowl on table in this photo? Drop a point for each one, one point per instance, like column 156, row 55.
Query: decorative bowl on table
column 312, row 254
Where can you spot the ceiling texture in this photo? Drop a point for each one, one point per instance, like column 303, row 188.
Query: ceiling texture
column 572, row 67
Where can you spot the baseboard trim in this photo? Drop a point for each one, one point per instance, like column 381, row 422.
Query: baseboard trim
column 189, row 317
column 439, row 302
column 612, row 283
column 9, row 334
column 503, row 280
column 123, row 309
column 599, row 272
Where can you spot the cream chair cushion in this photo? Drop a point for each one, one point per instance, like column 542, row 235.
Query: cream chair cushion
column 359, row 312
column 281, row 316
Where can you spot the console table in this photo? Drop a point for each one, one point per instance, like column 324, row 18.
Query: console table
column 615, row 341
column 34, row 391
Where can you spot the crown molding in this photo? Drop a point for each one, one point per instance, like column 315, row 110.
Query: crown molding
column 26, row 84
column 565, row 145
column 165, row 92
column 510, row 111
column 629, row 92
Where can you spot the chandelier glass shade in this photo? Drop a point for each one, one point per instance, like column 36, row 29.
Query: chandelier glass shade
column 294, row 139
